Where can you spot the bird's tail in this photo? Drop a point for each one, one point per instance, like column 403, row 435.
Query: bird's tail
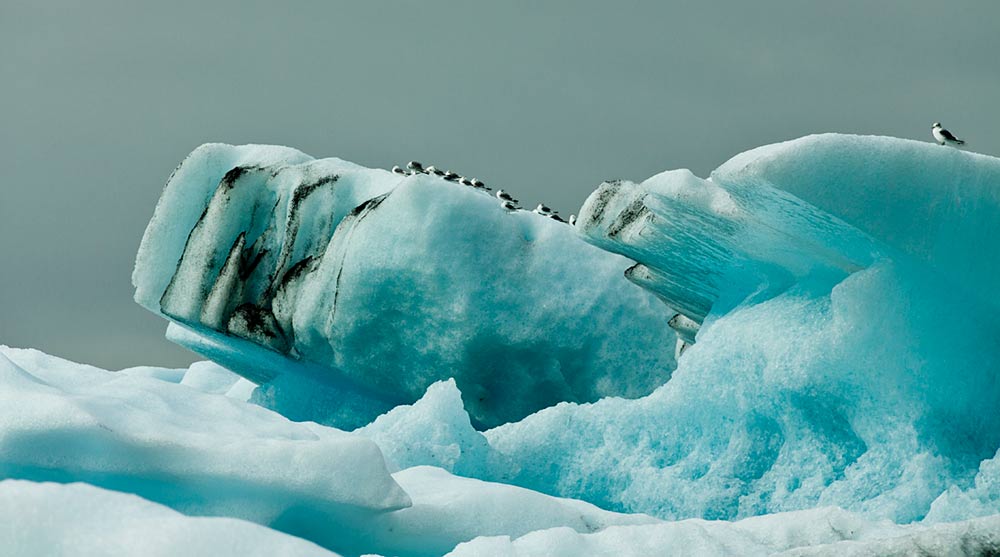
column 959, row 142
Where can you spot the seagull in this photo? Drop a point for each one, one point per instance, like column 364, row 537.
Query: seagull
column 509, row 205
column 572, row 220
column 554, row 216
column 415, row 166
column 479, row 184
column 397, row 170
column 944, row 136
column 543, row 210
column 451, row 176
column 504, row 196
column 466, row 182
column 434, row 171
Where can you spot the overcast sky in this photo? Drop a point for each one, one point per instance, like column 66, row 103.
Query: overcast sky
column 100, row 100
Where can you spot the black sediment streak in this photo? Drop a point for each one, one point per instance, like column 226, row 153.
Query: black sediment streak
column 352, row 221
column 634, row 211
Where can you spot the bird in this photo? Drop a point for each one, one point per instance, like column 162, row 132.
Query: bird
column 451, row 176
column 479, row 184
column 543, row 210
column 415, row 166
column 944, row 136
column 572, row 220
column 509, row 205
column 397, row 170
column 556, row 217
column 466, row 182
column 504, row 196
column 434, row 171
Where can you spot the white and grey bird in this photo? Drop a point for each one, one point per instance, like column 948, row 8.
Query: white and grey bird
column 451, row 176
column 504, row 196
column 543, row 210
column 415, row 166
column 572, row 220
column 479, row 184
column 431, row 170
column 509, row 205
column 397, row 170
column 943, row 136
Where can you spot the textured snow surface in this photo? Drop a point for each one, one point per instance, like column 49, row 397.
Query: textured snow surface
column 80, row 520
column 373, row 286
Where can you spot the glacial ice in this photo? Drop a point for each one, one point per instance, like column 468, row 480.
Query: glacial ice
column 837, row 391
column 195, row 452
column 75, row 520
column 369, row 286
column 147, row 432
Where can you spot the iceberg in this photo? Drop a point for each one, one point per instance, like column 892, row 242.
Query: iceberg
column 329, row 282
column 797, row 355
column 827, row 368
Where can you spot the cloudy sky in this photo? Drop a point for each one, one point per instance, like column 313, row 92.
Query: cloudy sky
column 99, row 100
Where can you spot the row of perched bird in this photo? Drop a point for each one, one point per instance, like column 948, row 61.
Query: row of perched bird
column 506, row 200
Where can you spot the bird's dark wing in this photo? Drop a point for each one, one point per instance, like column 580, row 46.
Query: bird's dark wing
column 947, row 135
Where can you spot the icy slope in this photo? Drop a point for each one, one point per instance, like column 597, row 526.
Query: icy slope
column 936, row 204
column 198, row 453
column 330, row 281
column 78, row 520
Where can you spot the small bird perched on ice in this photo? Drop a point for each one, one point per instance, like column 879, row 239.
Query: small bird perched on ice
column 572, row 220
column 504, row 196
column 397, row 170
column 543, row 210
column 509, row 205
column 434, row 171
column 944, row 136
column 415, row 167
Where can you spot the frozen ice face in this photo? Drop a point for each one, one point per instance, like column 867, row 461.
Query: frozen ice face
column 321, row 276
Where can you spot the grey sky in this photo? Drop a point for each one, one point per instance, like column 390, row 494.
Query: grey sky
column 100, row 100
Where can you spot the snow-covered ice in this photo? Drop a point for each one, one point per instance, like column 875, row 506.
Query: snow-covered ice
column 80, row 520
column 196, row 452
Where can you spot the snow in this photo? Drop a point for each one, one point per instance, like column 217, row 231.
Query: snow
column 514, row 394
column 81, row 520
